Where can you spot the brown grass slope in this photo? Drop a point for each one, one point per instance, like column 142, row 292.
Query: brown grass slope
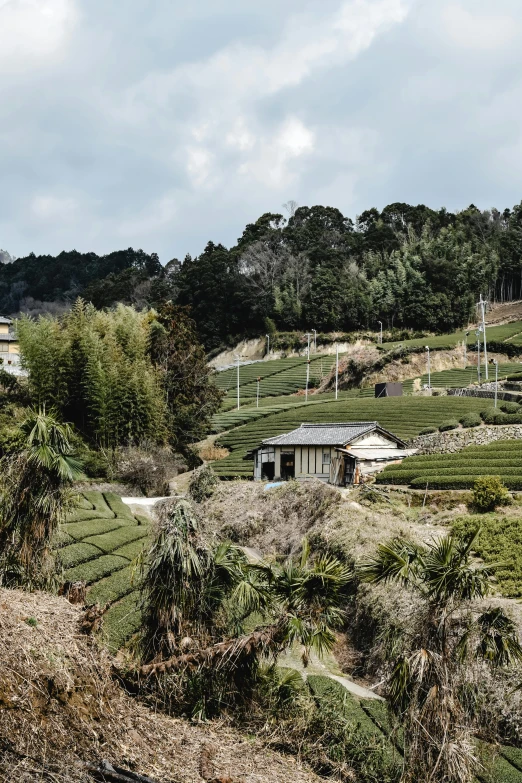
column 60, row 708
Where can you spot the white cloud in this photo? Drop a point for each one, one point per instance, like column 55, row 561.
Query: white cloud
column 49, row 207
column 155, row 217
column 271, row 161
column 475, row 30
column 199, row 166
column 33, row 30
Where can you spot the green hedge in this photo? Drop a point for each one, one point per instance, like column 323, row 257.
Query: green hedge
column 108, row 542
column 96, row 569
column 471, row 420
column 62, row 538
column 428, row 431
column 451, row 424
column 77, row 553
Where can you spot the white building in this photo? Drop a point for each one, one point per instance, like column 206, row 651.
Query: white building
column 340, row 454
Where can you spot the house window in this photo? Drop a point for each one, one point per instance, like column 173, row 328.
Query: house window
column 326, row 457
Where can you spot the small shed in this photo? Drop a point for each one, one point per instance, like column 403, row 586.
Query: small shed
column 340, row 454
column 388, row 389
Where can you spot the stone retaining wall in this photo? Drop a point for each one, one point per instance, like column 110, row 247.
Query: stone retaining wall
column 456, row 440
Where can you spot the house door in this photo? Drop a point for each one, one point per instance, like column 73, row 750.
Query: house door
column 287, row 465
column 349, row 470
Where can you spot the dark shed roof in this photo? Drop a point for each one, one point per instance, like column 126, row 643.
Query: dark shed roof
column 328, row 434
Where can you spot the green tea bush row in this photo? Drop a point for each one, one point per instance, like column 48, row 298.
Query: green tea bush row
column 331, row 690
column 132, row 549
column 122, row 620
column 495, row 416
column 93, row 570
column 108, row 542
column 91, row 527
column 463, row 482
column 110, row 589
column 117, row 505
column 78, row 553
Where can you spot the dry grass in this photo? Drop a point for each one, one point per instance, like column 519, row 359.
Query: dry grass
column 274, row 521
column 60, row 708
column 210, row 452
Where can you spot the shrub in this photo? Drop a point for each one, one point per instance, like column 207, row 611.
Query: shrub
column 428, row 431
column 202, row 483
column 471, row 420
column 510, row 407
column 489, row 492
column 108, row 542
column 451, row 424
column 146, row 469
column 495, row 416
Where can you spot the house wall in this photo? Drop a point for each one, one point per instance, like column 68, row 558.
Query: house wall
column 374, row 439
column 309, row 462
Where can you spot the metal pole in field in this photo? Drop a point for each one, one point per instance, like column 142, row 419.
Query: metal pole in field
column 495, row 362
column 307, row 366
column 336, row 371
column 482, row 304
column 380, row 339
column 237, row 359
column 478, row 352
column 257, row 403
column 315, row 340
column 267, row 343
column 429, row 367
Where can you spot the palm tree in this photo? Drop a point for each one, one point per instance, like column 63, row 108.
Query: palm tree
column 197, row 598
column 35, row 494
column 427, row 681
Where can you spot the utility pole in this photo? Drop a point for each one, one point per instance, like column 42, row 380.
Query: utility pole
column 482, row 304
column 429, row 367
column 380, row 338
column 267, row 343
column 495, row 362
column 466, row 350
column 307, row 366
column 237, row 360
column 315, row 340
column 257, row 403
column 336, row 371
column 478, row 351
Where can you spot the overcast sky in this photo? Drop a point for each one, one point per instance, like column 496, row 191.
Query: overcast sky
column 162, row 124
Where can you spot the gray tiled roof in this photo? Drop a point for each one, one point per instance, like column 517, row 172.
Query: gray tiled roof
column 323, row 434
column 4, row 320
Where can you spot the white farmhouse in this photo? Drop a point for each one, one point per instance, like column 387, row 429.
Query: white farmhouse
column 340, row 454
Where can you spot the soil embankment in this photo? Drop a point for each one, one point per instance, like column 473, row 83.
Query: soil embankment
column 60, row 708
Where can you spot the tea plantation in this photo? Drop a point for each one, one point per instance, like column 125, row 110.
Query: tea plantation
column 460, row 470
column 98, row 545
column 448, row 341
column 278, row 376
column 404, row 416
column 370, row 718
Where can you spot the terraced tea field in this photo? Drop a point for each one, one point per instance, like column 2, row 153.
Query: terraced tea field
column 98, row 545
column 225, row 420
column 448, row 341
column 278, row 376
column 404, row 416
column 459, row 470
column 461, row 378
column 371, row 717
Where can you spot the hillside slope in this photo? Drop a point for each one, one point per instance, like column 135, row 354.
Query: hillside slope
column 60, row 708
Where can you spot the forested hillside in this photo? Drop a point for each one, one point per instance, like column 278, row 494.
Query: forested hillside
column 408, row 266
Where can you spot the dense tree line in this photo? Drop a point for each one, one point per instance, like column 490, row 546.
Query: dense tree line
column 408, row 266
column 121, row 376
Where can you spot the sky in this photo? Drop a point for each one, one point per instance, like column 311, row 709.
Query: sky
column 163, row 125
